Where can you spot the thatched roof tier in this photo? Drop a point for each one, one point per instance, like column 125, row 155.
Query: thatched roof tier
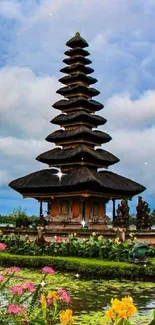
column 77, row 90
column 77, row 118
column 76, row 51
column 78, row 180
column 77, row 104
column 76, row 78
column 80, row 134
column 77, row 59
column 77, row 41
column 77, row 67
column 80, row 155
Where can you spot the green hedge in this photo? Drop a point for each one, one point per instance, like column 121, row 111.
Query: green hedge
column 87, row 267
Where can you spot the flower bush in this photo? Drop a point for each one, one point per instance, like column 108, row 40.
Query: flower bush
column 28, row 303
column 93, row 247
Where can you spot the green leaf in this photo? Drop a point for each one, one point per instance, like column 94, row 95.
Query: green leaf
column 152, row 322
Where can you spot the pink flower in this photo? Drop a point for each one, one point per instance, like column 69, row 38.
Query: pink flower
column 13, row 269
column 2, row 278
column 47, row 269
column 18, row 289
column 2, row 247
column 29, row 286
column 49, row 301
column 14, row 309
column 64, row 296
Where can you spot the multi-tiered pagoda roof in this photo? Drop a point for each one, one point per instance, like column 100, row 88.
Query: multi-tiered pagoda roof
column 77, row 155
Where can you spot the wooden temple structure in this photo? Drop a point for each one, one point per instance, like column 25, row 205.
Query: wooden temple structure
column 73, row 187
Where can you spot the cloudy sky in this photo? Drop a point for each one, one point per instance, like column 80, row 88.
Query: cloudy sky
column 33, row 34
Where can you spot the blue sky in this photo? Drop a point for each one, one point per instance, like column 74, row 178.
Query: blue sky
column 122, row 47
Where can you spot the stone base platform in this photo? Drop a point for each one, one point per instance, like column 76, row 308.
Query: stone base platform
column 68, row 226
column 109, row 233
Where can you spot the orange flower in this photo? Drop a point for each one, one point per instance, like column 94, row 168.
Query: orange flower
column 110, row 313
column 123, row 314
column 66, row 317
column 53, row 295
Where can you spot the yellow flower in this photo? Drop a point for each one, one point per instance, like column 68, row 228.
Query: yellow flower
column 121, row 309
column 94, row 234
column 53, row 295
column 100, row 237
column 131, row 235
column 43, row 302
column 117, row 241
column 66, row 317
column 116, row 305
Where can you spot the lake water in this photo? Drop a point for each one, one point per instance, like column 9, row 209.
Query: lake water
column 93, row 296
column 90, row 298
column 98, row 294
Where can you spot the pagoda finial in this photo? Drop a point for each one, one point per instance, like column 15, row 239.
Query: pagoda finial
column 77, row 34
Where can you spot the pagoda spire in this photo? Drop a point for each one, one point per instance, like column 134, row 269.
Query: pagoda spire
column 78, row 137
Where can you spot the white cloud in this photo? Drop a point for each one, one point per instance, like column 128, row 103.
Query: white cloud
column 20, row 148
column 25, row 101
column 131, row 123
column 4, row 177
column 135, row 150
column 25, row 115
column 18, row 157
column 10, row 9
column 39, row 39
column 124, row 112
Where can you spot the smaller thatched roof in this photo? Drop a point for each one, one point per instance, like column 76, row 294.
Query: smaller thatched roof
column 78, row 77
column 81, row 154
column 76, row 51
column 76, row 68
column 79, row 117
column 75, row 89
column 81, row 133
column 77, row 59
column 82, row 102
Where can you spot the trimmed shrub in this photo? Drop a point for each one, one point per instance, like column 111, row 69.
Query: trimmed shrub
column 87, row 267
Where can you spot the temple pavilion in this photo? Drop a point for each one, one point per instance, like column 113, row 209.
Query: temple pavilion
column 72, row 185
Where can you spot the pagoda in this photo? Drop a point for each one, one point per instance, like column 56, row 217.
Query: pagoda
column 73, row 187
